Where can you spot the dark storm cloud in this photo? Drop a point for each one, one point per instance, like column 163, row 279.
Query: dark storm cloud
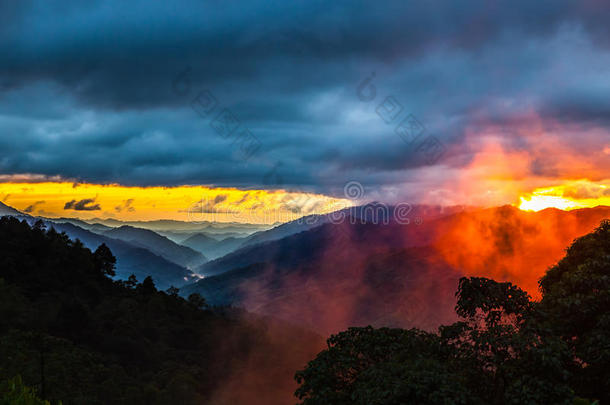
column 82, row 205
column 121, row 57
column 592, row 107
column 91, row 92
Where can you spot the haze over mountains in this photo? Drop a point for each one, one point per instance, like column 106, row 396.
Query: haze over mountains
column 144, row 252
column 125, row 343
column 354, row 268
column 327, row 273
column 132, row 259
column 369, row 213
column 213, row 248
column 140, row 252
column 154, row 242
column 339, row 275
column 186, row 228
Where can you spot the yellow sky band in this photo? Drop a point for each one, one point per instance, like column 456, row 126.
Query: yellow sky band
column 183, row 203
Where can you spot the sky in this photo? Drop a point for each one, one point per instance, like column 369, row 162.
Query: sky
column 474, row 102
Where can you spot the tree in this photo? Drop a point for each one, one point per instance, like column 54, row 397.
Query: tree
column 79, row 336
column 131, row 282
column 496, row 354
column 507, row 355
column 382, row 366
column 576, row 301
column 173, row 291
column 147, row 287
column 105, row 261
column 197, row 301
column 14, row 392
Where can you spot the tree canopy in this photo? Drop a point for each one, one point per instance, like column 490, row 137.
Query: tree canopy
column 75, row 335
column 505, row 348
column 576, row 304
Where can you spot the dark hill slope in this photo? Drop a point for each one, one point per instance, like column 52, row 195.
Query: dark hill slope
column 132, row 259
column 6, row 210
column 98, row 341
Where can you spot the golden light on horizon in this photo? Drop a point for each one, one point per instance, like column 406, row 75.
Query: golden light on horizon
column 568, row 196
column 540, row 202
column 183, row 203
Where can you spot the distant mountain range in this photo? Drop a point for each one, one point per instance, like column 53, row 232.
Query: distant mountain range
column 361, row 269
column 186, row 227
column 182, row 255
column 181, row 236
column 211, row 247
column 145, row 254
column 209, row 240
column 311, row 276
column 6, row 210
column 375, row 213
column 329, row 279
column 379, row 229
column 132, row 259
column 186, row 248
column 94, row 227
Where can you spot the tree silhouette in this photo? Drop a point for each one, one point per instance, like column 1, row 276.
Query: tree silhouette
column 576, row 301
column 173, row 291
column 147, row 286
column 131, row 282
column 197, row 301
column 105, row 261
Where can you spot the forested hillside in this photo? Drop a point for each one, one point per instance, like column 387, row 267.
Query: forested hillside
column 505, row 349
column 74, row 335
column 77, row 336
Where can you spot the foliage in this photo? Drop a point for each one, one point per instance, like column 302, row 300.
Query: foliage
column 104, row 260
column 14, row 392
column 506, row 349
column 576, row 303
column 197, row 301
column 508, row 357
column 77, row 335
column 382, row 366
column 492, row 356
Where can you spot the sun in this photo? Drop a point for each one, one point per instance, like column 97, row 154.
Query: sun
column 568, row 196
column 540, row 202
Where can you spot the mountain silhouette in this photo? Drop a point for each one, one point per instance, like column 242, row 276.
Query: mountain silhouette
column 164, row 247
column 320, row 275
column 131, row 259
column 210, row 247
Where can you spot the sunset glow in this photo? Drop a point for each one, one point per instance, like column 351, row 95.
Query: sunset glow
column 183, row 203
column 572, row 195
column 540, row 202
column 304, row 202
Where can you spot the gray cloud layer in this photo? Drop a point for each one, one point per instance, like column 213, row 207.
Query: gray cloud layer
column 92, row 91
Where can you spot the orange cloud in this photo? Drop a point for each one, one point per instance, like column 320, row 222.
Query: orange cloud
column 528, row 162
